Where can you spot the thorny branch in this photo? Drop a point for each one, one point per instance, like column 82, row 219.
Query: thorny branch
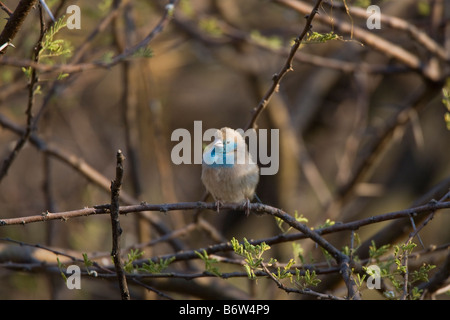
column 257, row 208
column 15, row 21
column 306, row 232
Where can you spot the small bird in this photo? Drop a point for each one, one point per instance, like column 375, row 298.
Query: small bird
column 228, row 171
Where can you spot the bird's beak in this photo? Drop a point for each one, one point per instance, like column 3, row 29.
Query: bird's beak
column 218, row 143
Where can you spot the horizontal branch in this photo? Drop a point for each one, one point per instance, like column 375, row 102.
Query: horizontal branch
column 257, row 208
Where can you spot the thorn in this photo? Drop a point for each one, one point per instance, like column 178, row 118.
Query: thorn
column 7, row 44
column 44, row 5
column 3, row 46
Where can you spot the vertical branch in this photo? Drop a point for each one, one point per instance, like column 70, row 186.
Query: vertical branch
column 130, row 103
column 406, row 273
column 116, row 229
column 31, row 93
column 276, row 79
column 47, row 188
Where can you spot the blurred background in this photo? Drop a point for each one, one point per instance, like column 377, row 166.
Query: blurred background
column 361, row 132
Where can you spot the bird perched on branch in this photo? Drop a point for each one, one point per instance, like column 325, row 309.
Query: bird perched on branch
column 228, row 170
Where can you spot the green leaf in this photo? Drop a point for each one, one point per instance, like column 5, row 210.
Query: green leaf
column 87, row 262
column 309, row 279
column 209, row 263
column 153, row 267
column 251, row 253
column 144, row 52
column 52, row 47
column 62, row 76
column 376, row 253
column 27, row 72
column 284, row 272
column 300, row 218
column 322, row 37
column 61, row 268
column 250, row 272
column 132, row 256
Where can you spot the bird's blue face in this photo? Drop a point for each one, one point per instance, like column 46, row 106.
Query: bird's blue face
column 221, row 153
column 229, row 145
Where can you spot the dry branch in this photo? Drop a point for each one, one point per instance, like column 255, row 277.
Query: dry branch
column 15, row 21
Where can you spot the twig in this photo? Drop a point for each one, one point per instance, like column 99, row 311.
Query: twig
column 406, row 273
column 425, row 222
column 116, row 229
column 168, row 12
column 306, row 291
column 47, row 9
column 276, row 79
column 6, row 9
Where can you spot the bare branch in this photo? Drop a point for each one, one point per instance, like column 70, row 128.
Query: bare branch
column 31, row 93
column 116, row 229
column 276, row 79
